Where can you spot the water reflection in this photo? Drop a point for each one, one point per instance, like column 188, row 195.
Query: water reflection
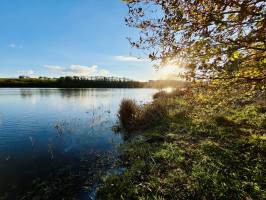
column 58, row 134
column 25, row 93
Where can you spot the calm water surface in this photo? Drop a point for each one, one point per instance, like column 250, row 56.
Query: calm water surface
column 44, row 130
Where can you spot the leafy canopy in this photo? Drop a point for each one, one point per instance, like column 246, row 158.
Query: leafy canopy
column 215, row 39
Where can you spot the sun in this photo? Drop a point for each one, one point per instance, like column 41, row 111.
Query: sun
column 171, row 71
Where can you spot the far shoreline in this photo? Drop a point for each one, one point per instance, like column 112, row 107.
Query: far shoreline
column 86, row 82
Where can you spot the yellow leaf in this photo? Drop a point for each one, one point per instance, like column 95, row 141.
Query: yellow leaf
column 263, row 61
column 236, row 54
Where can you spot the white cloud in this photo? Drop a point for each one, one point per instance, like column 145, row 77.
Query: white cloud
column 78, row 70
column 15, row 46
column 82, row 70
column 128, row 59
column 12, row 45
column 54, row 68
column 103, row 72
column 26, row 72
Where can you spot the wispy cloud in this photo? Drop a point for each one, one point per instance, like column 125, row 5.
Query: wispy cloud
column 26, row 72
column 54, row 68
column 103, row 72
column 12, row 45
column 78, row 70
column 15, row 46
column 128, row 59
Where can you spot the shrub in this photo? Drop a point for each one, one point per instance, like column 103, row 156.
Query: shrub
column 151, row 114
column 136, row 117
column 127, row 113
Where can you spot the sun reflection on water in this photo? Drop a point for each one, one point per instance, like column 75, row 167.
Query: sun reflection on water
column 169, row 89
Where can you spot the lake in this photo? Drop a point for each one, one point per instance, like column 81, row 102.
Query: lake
column 59, row 138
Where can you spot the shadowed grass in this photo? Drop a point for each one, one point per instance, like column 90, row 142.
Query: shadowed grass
column 194, row 152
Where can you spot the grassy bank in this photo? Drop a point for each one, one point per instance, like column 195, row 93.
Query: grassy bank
column 191, row 151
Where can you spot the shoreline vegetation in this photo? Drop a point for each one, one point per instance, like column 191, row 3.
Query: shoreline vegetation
column 181, row 146
column 85, row 82
column 208, row 141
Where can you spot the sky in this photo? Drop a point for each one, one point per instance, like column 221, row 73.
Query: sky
column 68, row 37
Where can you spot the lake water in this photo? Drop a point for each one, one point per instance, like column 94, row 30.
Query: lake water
column 50, row 137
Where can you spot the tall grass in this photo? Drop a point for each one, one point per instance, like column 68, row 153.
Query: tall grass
column 134, row 117
column 127, row 113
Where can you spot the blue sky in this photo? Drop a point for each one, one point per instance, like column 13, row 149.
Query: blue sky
column 68, row 37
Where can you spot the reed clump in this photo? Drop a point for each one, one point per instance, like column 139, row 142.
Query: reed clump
column 127, row 113
column 133, row 116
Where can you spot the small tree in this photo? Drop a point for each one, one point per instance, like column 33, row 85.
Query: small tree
column 221, row 40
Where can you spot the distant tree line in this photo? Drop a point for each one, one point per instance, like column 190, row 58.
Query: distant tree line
column 98, row 82
column 71, row 82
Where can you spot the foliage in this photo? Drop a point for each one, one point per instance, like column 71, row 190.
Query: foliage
column 215, row 40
